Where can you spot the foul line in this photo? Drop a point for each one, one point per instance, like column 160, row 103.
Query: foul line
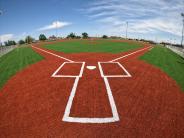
column 129, row 54
column 53, row 54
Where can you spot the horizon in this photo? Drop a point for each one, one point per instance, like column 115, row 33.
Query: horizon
column 157, row 21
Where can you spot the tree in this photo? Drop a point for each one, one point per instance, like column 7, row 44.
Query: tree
column 71, row 35
column 42, row 37
column 13, row 43
column 84, row 35
column 78, row 37
column 104, row 36
column 21, row 42
column 29, row 39
column 9, row 43
column 6, row 43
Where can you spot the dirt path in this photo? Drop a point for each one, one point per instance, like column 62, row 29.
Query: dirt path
column 149, row 103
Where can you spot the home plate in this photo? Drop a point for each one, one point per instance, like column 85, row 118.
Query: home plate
column 91, row 67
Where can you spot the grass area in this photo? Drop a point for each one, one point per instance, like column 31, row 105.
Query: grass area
column 168, row 61
column 16, row 60
column 77, row 46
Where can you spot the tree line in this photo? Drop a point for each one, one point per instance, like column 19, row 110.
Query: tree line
column 42, row 37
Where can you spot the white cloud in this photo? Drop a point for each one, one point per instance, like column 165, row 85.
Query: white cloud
column 6, row 37
column 144, row 16
column 54, row 25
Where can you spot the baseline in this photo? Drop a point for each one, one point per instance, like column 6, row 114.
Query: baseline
column 53, row 54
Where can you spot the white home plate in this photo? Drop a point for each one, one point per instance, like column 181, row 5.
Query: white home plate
column 91, row 67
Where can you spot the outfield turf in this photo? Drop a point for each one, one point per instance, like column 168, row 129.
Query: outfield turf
column 16, row 60
column 78, row 46
column 168, row 61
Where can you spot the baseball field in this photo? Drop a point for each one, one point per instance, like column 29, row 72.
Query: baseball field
column 91, row 88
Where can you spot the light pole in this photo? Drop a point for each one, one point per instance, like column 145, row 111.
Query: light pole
column 57, row 29
column 1, row 12
column 126, row 30
column 182, row 14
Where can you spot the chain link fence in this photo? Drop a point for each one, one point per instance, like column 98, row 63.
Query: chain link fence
column 177, row 50
column 5, row 49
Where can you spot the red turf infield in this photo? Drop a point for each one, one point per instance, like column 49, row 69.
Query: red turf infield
column 149, row 104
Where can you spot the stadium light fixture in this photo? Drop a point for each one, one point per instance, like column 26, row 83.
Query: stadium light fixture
column 182, row 14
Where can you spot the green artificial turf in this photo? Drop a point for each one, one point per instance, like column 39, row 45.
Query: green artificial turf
column 104, row 46
column 16, row 60
column 168, row 61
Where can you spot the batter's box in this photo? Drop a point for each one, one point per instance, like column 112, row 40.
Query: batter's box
column 70, row 69
column 112, row 69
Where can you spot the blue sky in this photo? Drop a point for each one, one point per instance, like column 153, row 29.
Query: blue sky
column 155, row 20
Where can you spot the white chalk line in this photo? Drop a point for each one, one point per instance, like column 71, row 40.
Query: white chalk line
column 127, row 74
column 115, row 117
column 66, row 116
column 56, row 75
column 53, row 54
column 108, row 61
column 129, row 54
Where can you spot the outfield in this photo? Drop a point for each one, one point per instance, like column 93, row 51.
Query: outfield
column 15, row 61
column 168, row 61
column 99, row 46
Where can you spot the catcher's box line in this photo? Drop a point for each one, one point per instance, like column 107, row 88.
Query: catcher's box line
column 66, row 116
column 53, row 54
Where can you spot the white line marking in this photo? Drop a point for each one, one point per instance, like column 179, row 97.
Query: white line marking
column 111, row 100
column 114, row 76
column 68, row 76
column 66, row 116
column 90, row 120
column 129, row 54
column 91, row 67
column 128, row 74
column 115, row 117
column 70, row 100
column 53, row 54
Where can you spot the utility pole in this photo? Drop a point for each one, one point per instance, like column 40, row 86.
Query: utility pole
column 182, row 14
column 126, row 30
column 56, row 29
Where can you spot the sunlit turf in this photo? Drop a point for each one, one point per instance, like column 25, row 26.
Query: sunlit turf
column 167, row 61
column 16, row 60
column 103, row 46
